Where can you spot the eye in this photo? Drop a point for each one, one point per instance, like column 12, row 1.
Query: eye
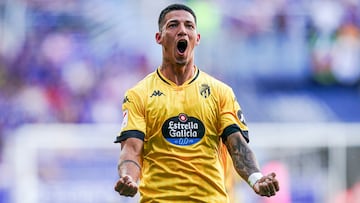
column 172, row 25
column 191, row 26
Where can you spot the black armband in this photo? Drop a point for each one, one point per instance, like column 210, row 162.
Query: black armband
column 128, row 134
column 232, row 129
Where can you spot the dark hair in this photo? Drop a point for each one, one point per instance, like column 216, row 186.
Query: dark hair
column 174, row 7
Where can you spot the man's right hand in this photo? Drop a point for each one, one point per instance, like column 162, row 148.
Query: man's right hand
column 126, row 186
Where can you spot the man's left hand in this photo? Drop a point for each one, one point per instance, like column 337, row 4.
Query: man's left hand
column 267, row 186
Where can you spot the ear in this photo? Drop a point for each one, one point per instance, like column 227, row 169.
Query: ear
column 158, row 37
column 197, row 39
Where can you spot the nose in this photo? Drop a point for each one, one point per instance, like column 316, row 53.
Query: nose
column 182, row 30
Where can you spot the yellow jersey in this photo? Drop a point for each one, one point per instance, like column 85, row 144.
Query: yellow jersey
column 183, row 129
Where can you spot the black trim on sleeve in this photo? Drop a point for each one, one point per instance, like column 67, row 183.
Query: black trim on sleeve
column 128, row 134
column 232, row 129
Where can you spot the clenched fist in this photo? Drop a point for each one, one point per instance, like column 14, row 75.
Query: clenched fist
column 267, row 186
column 126, row 186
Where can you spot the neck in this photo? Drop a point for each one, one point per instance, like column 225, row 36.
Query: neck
column 178, row 74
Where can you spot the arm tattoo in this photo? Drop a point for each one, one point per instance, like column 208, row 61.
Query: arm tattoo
column 243, row 158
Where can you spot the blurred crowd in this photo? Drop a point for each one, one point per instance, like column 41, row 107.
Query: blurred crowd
column 71, row 61
column 55, row 66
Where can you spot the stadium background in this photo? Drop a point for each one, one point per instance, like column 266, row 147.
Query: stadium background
column 65, row 65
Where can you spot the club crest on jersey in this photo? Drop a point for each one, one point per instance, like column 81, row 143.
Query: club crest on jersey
column 205, row 90
column 183, row 130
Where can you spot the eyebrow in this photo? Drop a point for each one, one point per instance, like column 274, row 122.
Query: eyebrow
column 175, row 20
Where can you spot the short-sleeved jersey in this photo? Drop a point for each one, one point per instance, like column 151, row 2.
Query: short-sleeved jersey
column 183, row 129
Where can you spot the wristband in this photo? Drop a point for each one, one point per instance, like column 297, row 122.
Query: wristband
column 253, row 178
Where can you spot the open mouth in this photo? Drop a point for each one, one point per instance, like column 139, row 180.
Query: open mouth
column 181, row 46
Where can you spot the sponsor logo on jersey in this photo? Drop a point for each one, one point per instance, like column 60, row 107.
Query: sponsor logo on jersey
column 241, row 117
column 157, row 93
column 126, row 99
column 205, row 90
column 183, row 130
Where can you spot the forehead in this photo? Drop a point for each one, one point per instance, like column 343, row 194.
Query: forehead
column 179, row 15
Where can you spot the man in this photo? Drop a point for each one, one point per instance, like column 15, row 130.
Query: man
column 179, row 124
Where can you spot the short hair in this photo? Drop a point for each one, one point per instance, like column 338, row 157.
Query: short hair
column 174, row 7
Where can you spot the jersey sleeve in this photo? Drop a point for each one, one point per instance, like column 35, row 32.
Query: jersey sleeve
column 133, row 123
column 231, row 115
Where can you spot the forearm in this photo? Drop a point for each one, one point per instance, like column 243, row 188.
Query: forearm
column 129, row 166
column 248, row 168
column 129, row 161
column 243, row 158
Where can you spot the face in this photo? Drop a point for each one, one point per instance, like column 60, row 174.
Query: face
column 178, row 37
